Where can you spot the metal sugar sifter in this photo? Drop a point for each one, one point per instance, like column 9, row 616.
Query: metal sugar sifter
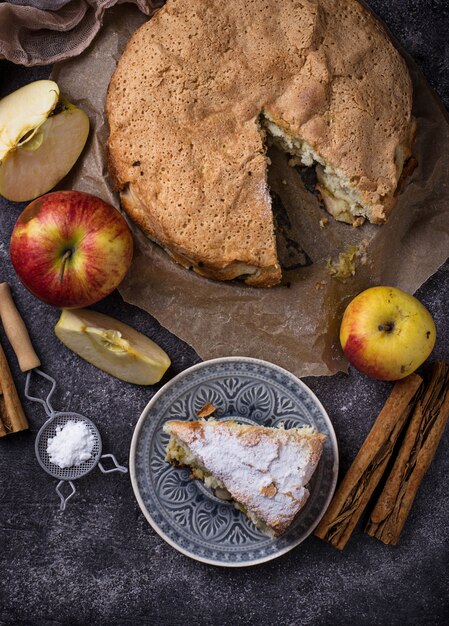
column 29, row 362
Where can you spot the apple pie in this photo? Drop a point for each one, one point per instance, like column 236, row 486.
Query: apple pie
column 264, row 471
column 201, row 85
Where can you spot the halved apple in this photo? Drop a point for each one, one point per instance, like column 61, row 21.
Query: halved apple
column 112, row 346
column 41, row 137
column 23, row 111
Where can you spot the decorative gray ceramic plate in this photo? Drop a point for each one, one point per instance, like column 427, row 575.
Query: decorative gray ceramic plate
column 189, row 516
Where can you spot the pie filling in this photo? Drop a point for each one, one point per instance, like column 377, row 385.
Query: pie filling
column 342, row 200
column 179, row 453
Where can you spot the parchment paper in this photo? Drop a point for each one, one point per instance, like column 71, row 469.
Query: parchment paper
column 295, row 324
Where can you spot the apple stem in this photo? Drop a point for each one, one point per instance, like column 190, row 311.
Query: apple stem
column 387, row 327
column 65, row 258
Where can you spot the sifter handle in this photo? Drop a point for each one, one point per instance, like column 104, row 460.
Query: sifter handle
column 16, row 331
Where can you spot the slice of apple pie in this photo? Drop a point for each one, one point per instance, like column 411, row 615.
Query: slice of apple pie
column 264, row 470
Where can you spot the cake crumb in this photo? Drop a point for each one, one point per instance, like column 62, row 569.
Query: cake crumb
column 294, row 161
column 324, row 222
column 206, row 410
column 346, row 264
column 344, row 267
column 269, row 490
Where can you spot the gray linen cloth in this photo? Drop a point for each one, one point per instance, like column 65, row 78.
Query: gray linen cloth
column 40, row 32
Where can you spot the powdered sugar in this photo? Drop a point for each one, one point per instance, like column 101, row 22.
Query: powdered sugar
column 72, row 444
column 264, row 469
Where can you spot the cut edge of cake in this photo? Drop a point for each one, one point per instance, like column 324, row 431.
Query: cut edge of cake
column 341, row 198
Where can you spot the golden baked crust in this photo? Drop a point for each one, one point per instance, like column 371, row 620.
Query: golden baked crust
column 265, row 470
column 193, row 92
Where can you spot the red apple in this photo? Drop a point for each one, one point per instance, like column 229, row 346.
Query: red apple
column 71, row 249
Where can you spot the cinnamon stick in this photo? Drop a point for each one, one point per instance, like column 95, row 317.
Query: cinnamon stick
column 12, row 417
column 367, row 468
column 414, row 458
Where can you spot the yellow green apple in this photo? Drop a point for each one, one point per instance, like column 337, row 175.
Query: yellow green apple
column 70, row 248
column 112, row 346
column 387, row 333
column 41, row 137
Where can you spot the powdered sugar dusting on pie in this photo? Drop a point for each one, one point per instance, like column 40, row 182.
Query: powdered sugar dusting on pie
column 265, row 469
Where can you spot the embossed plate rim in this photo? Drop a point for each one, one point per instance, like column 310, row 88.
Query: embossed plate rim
column 139, row 426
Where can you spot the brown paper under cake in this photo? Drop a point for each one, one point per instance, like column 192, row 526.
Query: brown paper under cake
column 367, row 468
column 296, row 328
column 12, row 417
column 423, row 435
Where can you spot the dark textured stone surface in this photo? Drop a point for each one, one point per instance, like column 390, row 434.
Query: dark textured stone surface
column 101, row 563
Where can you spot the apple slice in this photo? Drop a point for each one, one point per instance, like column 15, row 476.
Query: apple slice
column 24, row 111
column 38, row 164
column 112, row 346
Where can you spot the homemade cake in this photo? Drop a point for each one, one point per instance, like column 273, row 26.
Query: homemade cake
column 201, row 84
column 264, row 470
